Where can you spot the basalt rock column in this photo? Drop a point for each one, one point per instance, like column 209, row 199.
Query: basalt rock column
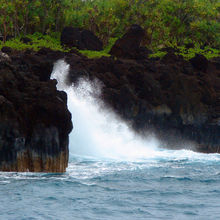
column 34, row 119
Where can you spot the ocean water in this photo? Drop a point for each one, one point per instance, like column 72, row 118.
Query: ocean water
column 113, row 173
column 182, row 186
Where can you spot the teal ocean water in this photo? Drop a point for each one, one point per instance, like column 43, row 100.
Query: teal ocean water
column 184, row 185
column 113, row 174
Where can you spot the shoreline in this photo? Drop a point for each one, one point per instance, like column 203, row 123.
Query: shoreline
column 176, row 99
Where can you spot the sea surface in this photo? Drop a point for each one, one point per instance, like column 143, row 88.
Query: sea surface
column 183, row 185
column 113, row 173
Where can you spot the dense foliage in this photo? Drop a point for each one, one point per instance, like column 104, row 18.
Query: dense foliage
column 167, row 22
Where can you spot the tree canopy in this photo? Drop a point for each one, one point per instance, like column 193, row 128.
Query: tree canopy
column 166, row 22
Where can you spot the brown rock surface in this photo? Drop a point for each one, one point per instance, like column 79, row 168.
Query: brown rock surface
column 178, row 100
column 175, row 99
column 34, row 119
column 80, row 38
column 129, row 45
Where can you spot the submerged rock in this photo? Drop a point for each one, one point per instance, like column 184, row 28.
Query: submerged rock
column 34, row 119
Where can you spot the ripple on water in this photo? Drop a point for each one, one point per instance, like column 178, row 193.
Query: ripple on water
column 97, row 189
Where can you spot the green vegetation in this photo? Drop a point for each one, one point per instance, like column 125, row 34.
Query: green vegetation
column 52, row 41
column 98, row 54
column 158, row 54
column 166, row 23
column 94, row 54
column 187, row 54
column 37, row 41
column 207, row 52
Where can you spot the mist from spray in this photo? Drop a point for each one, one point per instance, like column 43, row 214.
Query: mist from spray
column 99, row 133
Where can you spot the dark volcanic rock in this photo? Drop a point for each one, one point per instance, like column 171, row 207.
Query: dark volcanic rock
column 199, row 62
column 34, row 119
column 170, row 50
column 129, row 45
column 189, row 45
column 80, row 38
column 26, row 40
column 4, row 57
column 216, row 62
column 8, row 37
column 7, row 50
column 176, row 99
column 172, row 98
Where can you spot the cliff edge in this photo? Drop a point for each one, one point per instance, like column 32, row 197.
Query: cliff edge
column 34, row 119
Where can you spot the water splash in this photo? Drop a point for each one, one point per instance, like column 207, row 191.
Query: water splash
column 99, row 133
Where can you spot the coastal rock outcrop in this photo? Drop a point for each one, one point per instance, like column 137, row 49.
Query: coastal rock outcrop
column 34, row 119
column 80, row 38
column 129, row 46
column 177, row 100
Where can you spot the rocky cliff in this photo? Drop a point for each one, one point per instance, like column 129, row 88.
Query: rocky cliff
column 34, row 119
column 173, row 98
column 178, row 100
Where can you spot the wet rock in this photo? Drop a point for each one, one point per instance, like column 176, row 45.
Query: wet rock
column 171, row 97
column 34, row 119
column 81, row 39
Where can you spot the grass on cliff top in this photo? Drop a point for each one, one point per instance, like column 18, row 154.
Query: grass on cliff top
column 52, row 41
column 187, row 54
column 38, row 41
column 94, row 54
column 208, row 52
column 99, row 54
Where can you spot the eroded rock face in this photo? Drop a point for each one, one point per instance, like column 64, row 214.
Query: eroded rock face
column 177, row 100
column 34, row 119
